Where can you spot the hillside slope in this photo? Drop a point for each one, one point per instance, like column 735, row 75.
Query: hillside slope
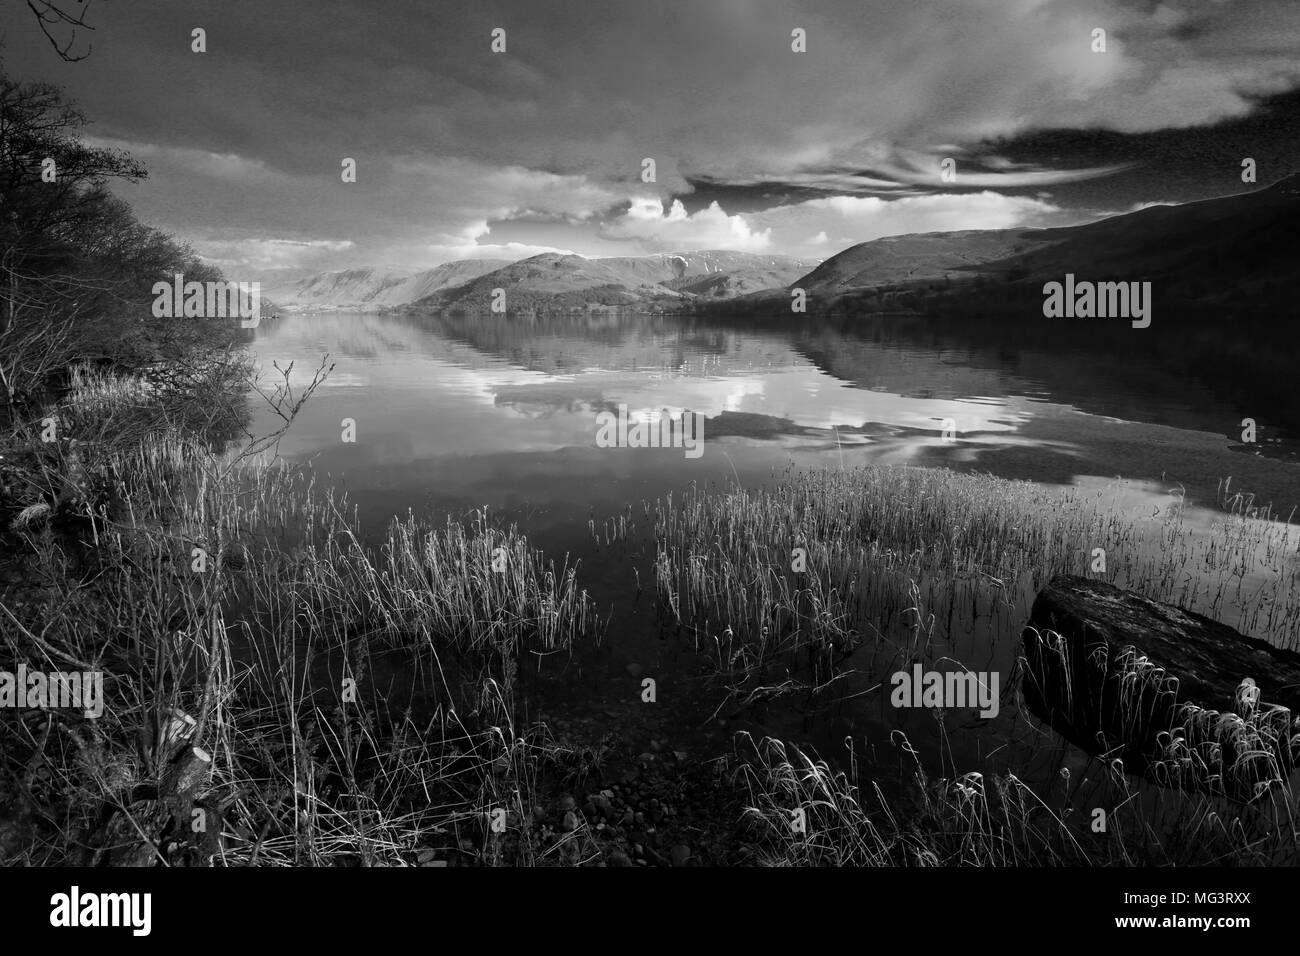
column 667, row 282
column 1198, row 251
column 373, row 290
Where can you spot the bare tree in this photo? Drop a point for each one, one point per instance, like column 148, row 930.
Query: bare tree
column 65, row 17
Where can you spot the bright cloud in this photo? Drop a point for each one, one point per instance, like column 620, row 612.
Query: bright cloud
column 708, row 228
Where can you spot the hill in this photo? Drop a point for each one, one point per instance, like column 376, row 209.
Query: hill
column 666, row 282
column 373, row 289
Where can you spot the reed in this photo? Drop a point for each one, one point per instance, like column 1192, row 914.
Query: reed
column 238, row 594
column 971, row 819
column 829, row 558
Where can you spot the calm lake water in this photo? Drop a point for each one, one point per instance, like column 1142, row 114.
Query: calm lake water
column 456, row 413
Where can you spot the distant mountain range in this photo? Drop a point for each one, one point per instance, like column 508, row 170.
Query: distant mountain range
column 547, row 282
column 1213, row 251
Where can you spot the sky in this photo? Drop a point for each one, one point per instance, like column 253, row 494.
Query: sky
column 463, row 152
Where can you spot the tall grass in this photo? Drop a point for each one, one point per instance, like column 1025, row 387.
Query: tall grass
column 350, row 703
column 914, row 564
column 870, row 535
column 972, row 819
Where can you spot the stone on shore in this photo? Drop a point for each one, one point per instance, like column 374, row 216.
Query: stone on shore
column 1182, row 699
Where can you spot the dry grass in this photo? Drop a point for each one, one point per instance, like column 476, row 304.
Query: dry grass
column 238, row 593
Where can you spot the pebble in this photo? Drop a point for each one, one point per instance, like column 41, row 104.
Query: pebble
column 680, row 854
column 570, row 821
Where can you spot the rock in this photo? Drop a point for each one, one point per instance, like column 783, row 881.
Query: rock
column 570, row 822
column 1176, row 696
column 619, row 858
column 188, row 774
column 425, row 856
column 680, row 855
column 568, row 803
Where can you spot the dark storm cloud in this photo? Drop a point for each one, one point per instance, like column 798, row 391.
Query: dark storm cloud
column 455, row 144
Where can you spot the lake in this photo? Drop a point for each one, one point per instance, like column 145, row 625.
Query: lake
column 458, row 413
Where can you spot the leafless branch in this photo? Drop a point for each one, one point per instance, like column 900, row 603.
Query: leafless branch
column 50, row 13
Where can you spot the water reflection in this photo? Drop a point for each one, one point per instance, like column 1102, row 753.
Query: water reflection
column 453, row 414
column 428, row 391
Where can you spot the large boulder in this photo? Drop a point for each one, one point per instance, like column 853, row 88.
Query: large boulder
column 1180, row 698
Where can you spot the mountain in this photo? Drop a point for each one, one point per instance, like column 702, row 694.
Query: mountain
column 1223, row 286
column 915, row 258
column 1213, row 250
column 665, row 282
column 373, row 290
